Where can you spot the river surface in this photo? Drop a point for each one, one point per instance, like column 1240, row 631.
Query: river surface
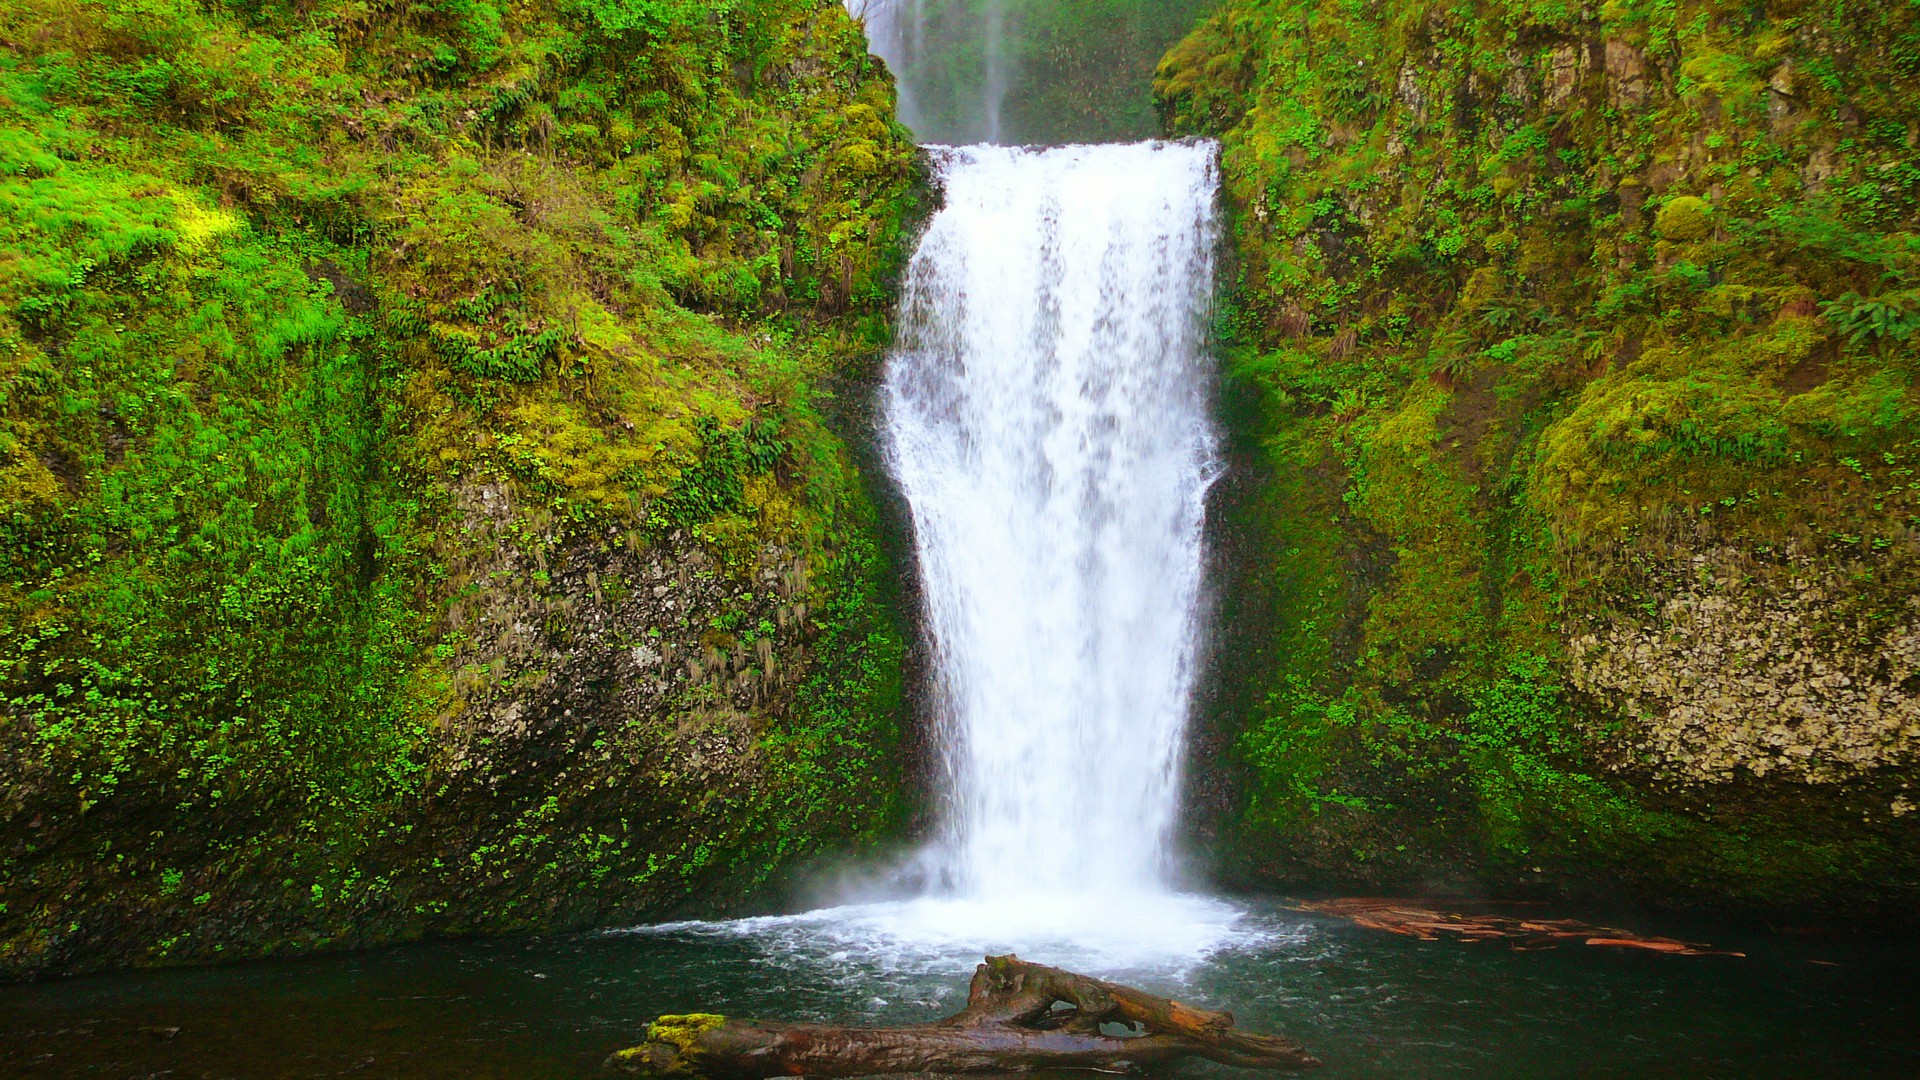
column 1371, row 1004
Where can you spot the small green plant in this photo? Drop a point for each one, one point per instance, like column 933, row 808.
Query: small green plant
column 1454, row 370
column 1891, row 316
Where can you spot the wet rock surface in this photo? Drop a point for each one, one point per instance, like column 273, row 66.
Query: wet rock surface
column 1773, row 676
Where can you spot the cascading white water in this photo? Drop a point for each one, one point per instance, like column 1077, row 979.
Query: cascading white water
column 1047, row 418
column 1046, row 415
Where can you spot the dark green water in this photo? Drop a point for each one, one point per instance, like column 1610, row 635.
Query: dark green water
column 1371, row 1004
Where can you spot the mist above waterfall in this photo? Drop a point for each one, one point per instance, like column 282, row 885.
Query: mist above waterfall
column 1025, row 71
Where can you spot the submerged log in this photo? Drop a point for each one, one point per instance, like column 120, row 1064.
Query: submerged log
column 1019, row 1016
column 1412, row 918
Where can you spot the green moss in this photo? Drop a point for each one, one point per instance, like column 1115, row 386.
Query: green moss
column 1684, row 218
column 284, row 289
column 684, row 1030
column 1528, row 303
column 672, row 1048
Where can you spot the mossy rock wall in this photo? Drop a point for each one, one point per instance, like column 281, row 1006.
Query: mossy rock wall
column 416, row 515
column 1573, row 540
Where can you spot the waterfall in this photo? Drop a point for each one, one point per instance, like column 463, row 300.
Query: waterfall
column 1047, row 418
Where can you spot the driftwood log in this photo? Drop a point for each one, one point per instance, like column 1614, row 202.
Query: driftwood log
column 1019, row 1017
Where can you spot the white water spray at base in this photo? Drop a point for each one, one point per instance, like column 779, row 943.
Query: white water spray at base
column 1047, row 418
column 1155, row 937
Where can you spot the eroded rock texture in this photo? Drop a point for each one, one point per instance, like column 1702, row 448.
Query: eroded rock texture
column 1572, row 354
column 1771, row 676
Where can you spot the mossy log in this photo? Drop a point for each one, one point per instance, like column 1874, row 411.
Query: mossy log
column 1019, row 1016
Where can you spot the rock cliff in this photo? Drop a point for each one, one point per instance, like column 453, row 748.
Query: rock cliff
column 417, row 514
column 1571, row 353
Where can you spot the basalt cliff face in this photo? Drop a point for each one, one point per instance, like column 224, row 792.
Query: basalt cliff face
column 416, row 510
column 1573, row 542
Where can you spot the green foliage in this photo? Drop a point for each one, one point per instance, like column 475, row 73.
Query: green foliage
column 653, row 18
column 1687, row 217
column 1526, row 299
column 1891, row 317
column 282, row 286
column 713, row 486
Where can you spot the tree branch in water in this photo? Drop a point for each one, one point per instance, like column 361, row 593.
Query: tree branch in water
column 1019, row 1016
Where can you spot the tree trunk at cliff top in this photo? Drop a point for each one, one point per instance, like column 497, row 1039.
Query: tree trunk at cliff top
column 1019, row 1016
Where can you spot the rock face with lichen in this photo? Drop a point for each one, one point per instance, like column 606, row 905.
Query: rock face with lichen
column 1574, row 533
column 418, row 508
column 1770, row 675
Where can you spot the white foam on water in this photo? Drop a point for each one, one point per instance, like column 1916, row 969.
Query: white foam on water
column 1158, row 934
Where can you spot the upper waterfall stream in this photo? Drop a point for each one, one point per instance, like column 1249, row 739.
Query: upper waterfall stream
column 1047, row 419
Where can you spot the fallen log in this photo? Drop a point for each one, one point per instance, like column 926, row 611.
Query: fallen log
column 1019, row 1017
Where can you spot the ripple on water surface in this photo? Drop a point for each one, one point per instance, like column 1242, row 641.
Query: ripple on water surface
column 1373, row 1005
column 1165, row 934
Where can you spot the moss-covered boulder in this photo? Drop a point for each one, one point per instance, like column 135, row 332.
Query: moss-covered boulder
column 416, row 511
column 1574, row 542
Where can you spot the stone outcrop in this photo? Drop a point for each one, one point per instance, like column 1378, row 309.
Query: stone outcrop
column 1770, row 677
column 417, row 512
